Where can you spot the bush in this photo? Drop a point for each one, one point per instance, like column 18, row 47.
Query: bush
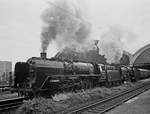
column 40, row 106
column 62, row 101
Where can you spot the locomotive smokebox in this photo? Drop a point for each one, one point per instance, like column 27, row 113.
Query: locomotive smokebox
column 43, row 55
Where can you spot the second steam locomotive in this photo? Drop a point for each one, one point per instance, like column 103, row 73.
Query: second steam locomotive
column 40, row 75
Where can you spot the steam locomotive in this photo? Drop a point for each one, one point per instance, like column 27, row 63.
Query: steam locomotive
column 40, row 75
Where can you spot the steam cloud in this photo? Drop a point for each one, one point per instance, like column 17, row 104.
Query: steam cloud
column 112, row 46
column 64, row 24
column 114, row 41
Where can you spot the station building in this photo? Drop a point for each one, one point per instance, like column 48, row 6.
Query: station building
column 5, row 69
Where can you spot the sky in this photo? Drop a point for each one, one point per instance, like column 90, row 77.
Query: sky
column 21, row 23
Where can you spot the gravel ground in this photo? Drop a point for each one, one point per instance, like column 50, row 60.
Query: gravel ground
column 137, row 105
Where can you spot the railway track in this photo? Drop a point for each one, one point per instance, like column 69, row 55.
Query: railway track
column 4, row 88
column 9, row 104
column 103, row 105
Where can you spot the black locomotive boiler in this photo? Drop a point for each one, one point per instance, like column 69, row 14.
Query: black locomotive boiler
column 40, row 75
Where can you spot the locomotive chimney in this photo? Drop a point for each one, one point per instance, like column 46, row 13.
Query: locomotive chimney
column 43, row 55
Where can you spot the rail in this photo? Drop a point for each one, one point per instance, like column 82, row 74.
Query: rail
column 12, row 103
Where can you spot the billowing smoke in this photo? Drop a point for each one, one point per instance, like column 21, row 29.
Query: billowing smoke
column 111, row 44
column 64, row 24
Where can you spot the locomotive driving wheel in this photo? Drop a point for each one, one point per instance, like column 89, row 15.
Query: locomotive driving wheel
column 86, row 84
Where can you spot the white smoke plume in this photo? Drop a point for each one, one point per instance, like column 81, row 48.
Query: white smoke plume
column 114, row 40
column 111, row 44
column 64, row 24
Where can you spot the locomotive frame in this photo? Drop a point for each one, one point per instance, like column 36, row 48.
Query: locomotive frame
column 42, row 76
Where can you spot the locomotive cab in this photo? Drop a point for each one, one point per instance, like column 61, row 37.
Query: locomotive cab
column 102, row 69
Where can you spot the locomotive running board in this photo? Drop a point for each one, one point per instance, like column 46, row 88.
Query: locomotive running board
column 73, row 76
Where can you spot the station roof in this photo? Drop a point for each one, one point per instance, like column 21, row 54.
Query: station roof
column 142, row 57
